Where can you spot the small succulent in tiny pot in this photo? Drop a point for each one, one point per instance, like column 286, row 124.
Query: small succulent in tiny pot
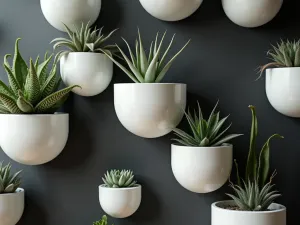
column 103, row 221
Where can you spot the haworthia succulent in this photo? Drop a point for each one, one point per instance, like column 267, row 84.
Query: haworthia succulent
column 32, row 85
column 8, row 182
column 119, row 179
column 19, row 65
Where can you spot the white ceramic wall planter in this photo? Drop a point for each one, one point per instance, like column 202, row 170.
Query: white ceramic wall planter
column 171, row 10
column 120, row 202
column 150, row 110
column 201, row 169
column 221, row 216
column 33, row 139
column 91, row 71
column 251, row 13
column 70, row 12
column 283, row 90
column 11, row 207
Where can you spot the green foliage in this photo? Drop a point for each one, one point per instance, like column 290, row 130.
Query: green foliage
column 8, row 182
column 31, row 90
column 103, row 221
column 119, row 179
column 143, row 68
column 255, row 193
column 204, row 132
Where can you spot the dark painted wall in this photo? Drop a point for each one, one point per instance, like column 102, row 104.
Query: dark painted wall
column 218, row 64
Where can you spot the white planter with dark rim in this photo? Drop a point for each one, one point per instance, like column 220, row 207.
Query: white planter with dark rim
column 221, row 216
column 33, row 139
column 283, row 90
column 91, row 71
column 201, row 169
column 12, row 207
column 251, row 13
column 171, row 10
column 70, row 12
column 150, row 110
column 120, row 202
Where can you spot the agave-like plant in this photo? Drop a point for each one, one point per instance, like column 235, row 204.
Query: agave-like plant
column 143, row 68
column 204, row 132
column 119, row 179
column 254, row 192
column 9, row 182
column 103, row 221
column 31, row 90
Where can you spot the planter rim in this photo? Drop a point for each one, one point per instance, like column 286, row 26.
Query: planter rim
column 149, row 84
column 17, row 192
column 85, row 53
column 36, row 115
column 282, row 68
column 183, row 146
column 214, row 205
column 138, row 186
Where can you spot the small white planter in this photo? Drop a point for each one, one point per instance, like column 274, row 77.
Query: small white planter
column 11, row 207
column 171, row 10
column 70, row 12
column 33, row 139
column 251, row 13
column 221, row 216
column 283, row 90
column 120, row 202
column 150, row 110
column 92, row 71
column 201, row 169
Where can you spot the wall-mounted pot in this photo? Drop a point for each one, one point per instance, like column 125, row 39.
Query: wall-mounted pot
column 276, row 215
column 251, row 13
column 91, row 71
column 201, row 169
column 70, row 12
column 33, row 139
column 171, row 10
column 120, row 202
column 11, row 207
column 150, row 110
column 283, row 90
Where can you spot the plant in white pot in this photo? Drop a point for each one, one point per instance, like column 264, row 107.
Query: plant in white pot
column 283, row 78
column 11, row 196
column 202, row 161
column 83, row 62
column 148, row 108
column 254, row 195
column 27, row 107
column 120, row 195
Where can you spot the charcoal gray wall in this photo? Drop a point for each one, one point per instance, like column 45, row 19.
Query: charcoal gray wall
column 218, row 64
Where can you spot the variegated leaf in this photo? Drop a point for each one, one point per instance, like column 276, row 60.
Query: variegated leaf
column 23, row 104
column 14, row 84
column 10, row 104
column 42, row 71
column 5, row 90
column 32, row 86
column 19, row 66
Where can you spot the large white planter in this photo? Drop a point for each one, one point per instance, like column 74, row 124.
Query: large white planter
column 11, row 207
column 120, row 202
column 171, row 10
column 70, row 12
column 33, row 139
column 251, row 13
column 201, row 169
column 92, row 71
column 283, row 90
column 150, row 110
column 221, row 216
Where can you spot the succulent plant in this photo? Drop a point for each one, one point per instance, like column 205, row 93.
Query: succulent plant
column 33, row 89
column 143, row 68
column 9, row 183
column 254, row 192
column 204, row 132
column 119, row 179
column 84, row 40
column 103, row 221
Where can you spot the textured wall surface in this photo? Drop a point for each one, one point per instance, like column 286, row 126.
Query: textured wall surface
column 218, row 64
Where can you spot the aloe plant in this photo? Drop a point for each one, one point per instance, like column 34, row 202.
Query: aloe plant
column 9, row 182
column 103, row 221
column 119, row 179
column 31, row 89
column 143, row 68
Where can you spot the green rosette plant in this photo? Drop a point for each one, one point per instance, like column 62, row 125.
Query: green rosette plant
column 119, row 179
column 9, row 182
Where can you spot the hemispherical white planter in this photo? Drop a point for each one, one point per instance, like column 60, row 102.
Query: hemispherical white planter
column 150, row 110
column 120, row 202
column 251, row 13
column 33, row 139
column 201, row 169
column 92, row 71
column 11, row 207
column 220, row 216
column 70, row 12
column 171, row 10
column 283, row 90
